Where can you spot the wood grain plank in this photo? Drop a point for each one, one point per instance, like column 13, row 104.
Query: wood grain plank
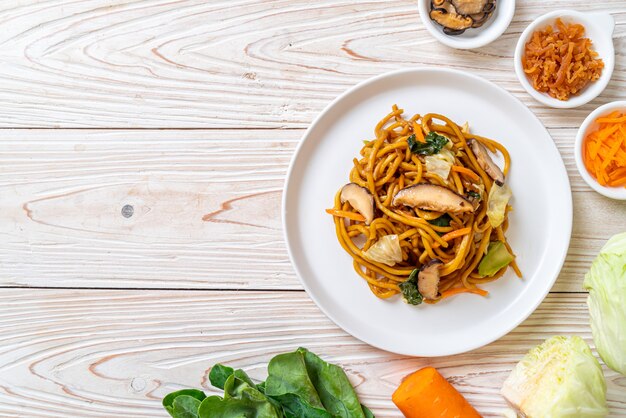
column 235, row 63
column 203, row 202
column 106, row 353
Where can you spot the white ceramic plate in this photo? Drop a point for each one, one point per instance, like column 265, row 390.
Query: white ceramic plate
column 539, row 232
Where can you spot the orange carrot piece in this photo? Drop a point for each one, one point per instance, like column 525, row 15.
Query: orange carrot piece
column 453, row 234
column 427, row 394
column 457, row 290
column 345, row 214
column 594, row 145
column 611, row 155
column 419, row 135
column 587, row 159
column 617, row 173
column 613, row 114
column 599, row 173
column 469, row 173
column 456, row 233
column 618, row 182
column 606, row 132
column 611, row 120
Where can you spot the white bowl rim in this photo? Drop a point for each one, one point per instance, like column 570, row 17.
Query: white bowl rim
column 503, row 21
column 606, row 24
column 618, row 193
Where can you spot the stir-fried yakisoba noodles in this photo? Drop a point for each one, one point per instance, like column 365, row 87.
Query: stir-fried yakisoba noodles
column 425, row 212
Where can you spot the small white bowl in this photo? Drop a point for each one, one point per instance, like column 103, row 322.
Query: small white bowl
column 588, row 126
column 599, row 28
column 473, row 37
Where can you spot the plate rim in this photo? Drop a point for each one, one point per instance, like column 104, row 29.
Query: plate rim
column 347, row 327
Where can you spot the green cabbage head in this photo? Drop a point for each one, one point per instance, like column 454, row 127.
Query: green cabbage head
column 559, row 378
column 606, row 283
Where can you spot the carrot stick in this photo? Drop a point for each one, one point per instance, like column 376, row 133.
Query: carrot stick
column 469, row 173
column 419, row 135
column 594, row 146
column 613, row 114
column 456, row 291
column 612, row 120
column 617, row 173
column 427, row 394
column 606, row 132
column 618, row 182
column 345, row 214
column 611, row 155
column 454, row 234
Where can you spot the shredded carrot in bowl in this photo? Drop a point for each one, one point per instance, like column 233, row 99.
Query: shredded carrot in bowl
column 604, row 150
column 560, row 61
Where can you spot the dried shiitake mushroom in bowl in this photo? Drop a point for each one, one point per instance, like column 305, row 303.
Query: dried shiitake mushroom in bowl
column 466, row 24
column 458, row 15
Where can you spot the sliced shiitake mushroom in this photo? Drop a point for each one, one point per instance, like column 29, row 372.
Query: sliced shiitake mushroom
column 360, row 199
column 453, row 32
column 480, row 18
column 451, row 21
column 432, row 197
column 469, row 7
column 458, row 15
column 428, row 279
column 485, row 162
column 444, row 6
column 490, row 7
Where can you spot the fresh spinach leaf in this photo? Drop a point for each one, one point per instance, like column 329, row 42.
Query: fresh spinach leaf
column 434, row 143
column 185, row 406
column 292, row 405
column 410, row 293
column 241, row 399
column 287, row 373
column 473, row 194
column 289, row 383
column 236, row 381
column 295, row 407
column 216, row 407
column 333, row 387
column 443, row 220
column 218, row 375
column 412, row 143
column 261, row 388
column 168, row 401
column 367, row 412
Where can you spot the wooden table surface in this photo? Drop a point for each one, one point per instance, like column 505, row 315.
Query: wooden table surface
column 187, row 114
